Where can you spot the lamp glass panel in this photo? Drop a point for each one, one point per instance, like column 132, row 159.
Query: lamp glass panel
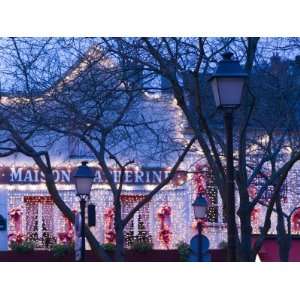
column 214, row 85
column 83, row 185
column 200, row 212
column 230, row 91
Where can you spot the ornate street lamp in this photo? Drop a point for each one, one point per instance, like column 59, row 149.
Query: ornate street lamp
column 227, row 86
column 228, row 82
column 200, row 206
column 84, row 177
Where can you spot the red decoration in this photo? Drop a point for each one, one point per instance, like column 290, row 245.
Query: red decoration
column 15, row 215
column 180, row 178
column 18, row 238
column 254, row 214
column 109, row 232
column 195, row 223
column 68, row 235
column 296, row 220
column 199, row 179
column 164, row 215
column 252, row 191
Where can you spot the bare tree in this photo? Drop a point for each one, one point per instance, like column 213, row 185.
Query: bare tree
column 186, row 64
column 100, row 100
column 95, row 102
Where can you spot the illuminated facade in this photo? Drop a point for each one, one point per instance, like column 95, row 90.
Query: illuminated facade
column 167, row 219
column 31, row 213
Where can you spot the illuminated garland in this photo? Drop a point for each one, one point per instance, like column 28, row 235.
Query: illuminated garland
column 16, row 218
column 16, row 238
column 296, row 221
column 181, row 212
column 255, row 214
column 164, row 216
column 179, row 179
column 199, row 180
column 252, row 191
column 68, row 235
column 109, row 231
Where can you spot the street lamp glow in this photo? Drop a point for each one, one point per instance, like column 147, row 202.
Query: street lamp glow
column 228, row 82
column 84, row 177
column 200, row 207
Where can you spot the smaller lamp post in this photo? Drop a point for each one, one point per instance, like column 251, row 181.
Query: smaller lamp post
column 200, row 212
column 84, row 177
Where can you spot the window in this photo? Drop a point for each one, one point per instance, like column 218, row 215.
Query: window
column 138, row 227
column 39, row 220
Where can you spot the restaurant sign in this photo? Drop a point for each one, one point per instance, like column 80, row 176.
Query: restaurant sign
column 65, row 175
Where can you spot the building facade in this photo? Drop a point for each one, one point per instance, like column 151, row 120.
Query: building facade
column 30, row 213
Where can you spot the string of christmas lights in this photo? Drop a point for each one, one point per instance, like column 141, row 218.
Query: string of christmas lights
column 33, row 200
column 178, row 199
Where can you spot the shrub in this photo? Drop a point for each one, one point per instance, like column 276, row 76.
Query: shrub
column 183, row 250
column 141, row 246
column 61, row 250
column 109, row 247
column 23, row 247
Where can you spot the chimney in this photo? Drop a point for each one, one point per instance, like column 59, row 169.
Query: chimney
column 275, row 64
column 278, row 67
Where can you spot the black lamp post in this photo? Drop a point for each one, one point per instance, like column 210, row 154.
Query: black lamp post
column 200, row 211
column 84, row 177
column 227, row 86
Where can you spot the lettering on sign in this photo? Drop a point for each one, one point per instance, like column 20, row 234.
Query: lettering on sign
column 64, row 175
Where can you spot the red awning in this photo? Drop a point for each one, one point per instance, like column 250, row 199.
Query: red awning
column 270, row 250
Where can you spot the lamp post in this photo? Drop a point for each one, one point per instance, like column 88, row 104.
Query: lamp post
column 200, row 211
column 227, row 86
column 84, row 177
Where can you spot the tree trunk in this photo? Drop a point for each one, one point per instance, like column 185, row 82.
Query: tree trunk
column 284, row 248
column 246, row 234
column 119, row 228
column 119, row 254
column 282, row 236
